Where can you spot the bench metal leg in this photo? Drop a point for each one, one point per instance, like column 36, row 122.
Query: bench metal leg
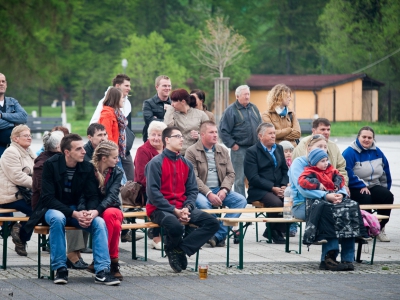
column 287, row 250
column 42, row 242
column 5, row 239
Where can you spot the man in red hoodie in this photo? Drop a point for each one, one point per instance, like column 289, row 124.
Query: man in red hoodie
column 171, row 196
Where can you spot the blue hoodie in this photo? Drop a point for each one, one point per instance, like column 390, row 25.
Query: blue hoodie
column 366, row 167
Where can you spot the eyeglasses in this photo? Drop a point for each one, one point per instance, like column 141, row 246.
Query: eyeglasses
column 27, row 136
column 178, row 136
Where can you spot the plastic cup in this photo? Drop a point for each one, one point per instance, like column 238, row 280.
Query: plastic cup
column 203, row 270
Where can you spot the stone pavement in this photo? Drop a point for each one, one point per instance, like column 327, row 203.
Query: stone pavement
column 269, row 272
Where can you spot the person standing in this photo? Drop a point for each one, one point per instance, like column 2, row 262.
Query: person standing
column 155, row 107
column 123, row 82
column 11, row 114
column 281, row 116
column 238, row 131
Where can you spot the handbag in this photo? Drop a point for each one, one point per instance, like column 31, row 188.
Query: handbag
column 130, row 138
column 26, row 194
column 131, row 194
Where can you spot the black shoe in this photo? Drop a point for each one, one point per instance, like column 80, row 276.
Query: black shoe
column 349, row 264
column 322, row 266
column 183, row 259
column 174, row 259
column 277, row 237
column 105, row 277
column 221, row 243
column 213, row 241
column 83, row 262
column 78, row 265
column 61, row 276
column 332, row 264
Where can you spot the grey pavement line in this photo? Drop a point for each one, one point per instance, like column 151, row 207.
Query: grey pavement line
column 217, row 269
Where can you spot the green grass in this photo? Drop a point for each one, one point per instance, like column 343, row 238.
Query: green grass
column 352, row 128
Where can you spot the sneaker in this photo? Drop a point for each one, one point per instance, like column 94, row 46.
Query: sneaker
column 174, row 259
column 349, row 264
column 90, row 268
column 221, row 243
column 114, row 269
column 332, row 264
column 105, row 277
column 382, row 236
column 61, row 276
column 154, row 245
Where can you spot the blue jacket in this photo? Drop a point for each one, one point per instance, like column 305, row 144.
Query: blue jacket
column 366, row 167
column 299, row 194
column 14, row 114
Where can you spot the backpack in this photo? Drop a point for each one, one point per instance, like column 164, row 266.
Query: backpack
column 371, row 223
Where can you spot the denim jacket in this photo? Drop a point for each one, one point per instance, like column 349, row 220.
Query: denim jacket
column 14, row 114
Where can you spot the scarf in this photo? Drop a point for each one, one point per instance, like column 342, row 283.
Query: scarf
column 122, row 123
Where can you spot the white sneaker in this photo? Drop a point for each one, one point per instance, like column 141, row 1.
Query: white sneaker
column 382, row 236
column 155, row 245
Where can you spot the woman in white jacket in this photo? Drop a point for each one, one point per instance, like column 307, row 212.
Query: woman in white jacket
column 16, row 166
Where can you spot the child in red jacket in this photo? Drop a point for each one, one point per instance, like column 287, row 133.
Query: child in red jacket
column 320, row 175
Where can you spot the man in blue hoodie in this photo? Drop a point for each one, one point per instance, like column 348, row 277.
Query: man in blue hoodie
column 11, row 113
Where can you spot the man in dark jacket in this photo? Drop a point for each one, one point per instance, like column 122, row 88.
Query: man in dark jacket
column 11, row 113
column 96, row 133
column 238, row 131
column 171, row 189
column 265, row 168
column 66, row 178
column 154, row 108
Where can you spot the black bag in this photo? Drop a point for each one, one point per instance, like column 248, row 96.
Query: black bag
column 26, row 194
column 130, row 138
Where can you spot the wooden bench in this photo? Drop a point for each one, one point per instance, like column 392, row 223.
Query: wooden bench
column 137, row 124
column 41, row 124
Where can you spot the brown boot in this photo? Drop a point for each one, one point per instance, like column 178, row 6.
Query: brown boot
column 114, row 269
column 90, row 268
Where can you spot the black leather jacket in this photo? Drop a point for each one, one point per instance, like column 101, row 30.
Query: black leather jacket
column 153, row 109
column 110, row 199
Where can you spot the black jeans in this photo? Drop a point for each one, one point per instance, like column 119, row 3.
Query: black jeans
column 271, row 200
column 207, row 224
column 379, row 195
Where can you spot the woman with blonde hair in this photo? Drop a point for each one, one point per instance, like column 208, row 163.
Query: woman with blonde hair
column 278, row 113
column 16, row 167
column 109, row 175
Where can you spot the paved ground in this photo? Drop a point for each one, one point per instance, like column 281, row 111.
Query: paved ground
column 269, row 272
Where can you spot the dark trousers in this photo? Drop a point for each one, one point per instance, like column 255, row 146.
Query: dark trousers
column 271, row 200
column 379, row 195
column 23, row 207
column 207, row 227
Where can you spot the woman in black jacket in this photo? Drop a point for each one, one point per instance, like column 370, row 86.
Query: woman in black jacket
column 109, row 175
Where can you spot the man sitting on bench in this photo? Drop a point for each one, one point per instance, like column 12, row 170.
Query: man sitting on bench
column 171, row 190
column 67, row 177
column 215, row 177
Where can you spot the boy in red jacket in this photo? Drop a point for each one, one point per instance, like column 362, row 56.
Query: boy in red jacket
column 320, row 175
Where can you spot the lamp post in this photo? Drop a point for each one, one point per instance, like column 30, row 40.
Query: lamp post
column 124, row 64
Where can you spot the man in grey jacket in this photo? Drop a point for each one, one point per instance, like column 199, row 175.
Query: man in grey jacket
column 11, row 113
column 238, row 128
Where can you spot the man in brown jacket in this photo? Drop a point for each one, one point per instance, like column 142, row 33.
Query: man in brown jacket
column 215, row 177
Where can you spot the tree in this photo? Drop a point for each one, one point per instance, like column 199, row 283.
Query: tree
column 220, row 46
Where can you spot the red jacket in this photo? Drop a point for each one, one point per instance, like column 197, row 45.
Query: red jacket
column 312, row 177
column 108, row 118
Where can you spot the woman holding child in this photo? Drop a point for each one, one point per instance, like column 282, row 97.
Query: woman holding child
column 323, row 215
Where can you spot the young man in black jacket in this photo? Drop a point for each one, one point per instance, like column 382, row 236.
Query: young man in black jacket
column 66, row 178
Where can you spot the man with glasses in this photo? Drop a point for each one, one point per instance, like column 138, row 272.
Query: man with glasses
column 215, row 177
column 155, row 107
column 11, row 114
column 171, row 190
column 322, row 126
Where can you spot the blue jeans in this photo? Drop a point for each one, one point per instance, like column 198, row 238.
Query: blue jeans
column 119, row 164
column 347, row 253
column 58, row 258
column 232, row 200
column 237, row 158
column 299, row 211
